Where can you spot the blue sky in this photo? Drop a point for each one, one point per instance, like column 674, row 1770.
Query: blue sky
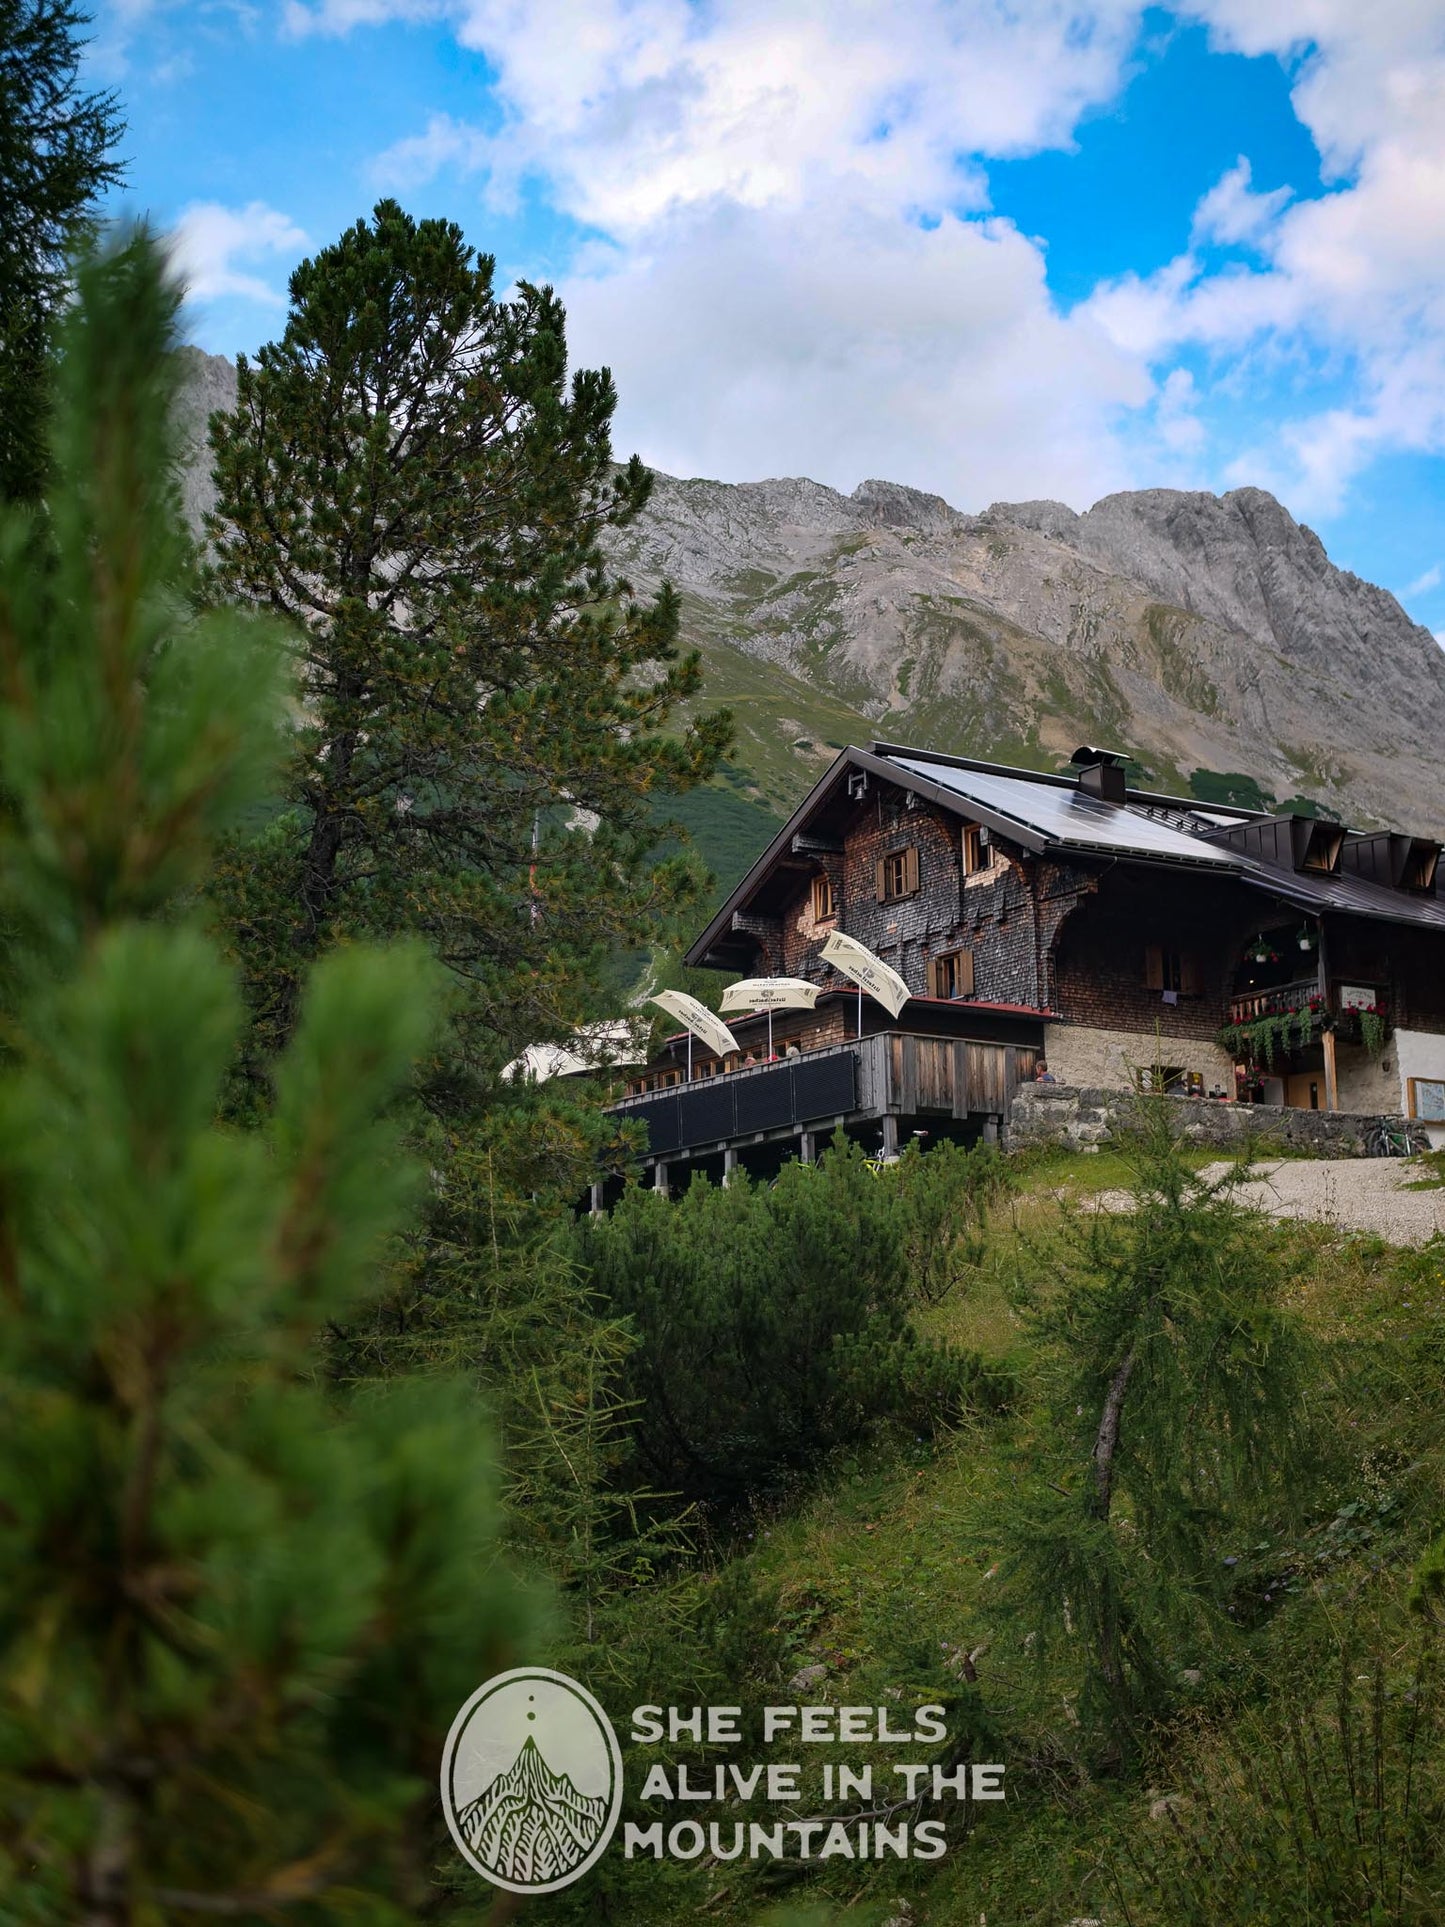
column 994, row 248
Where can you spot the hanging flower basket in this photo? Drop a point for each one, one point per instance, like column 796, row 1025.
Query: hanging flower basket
column 1370, row 1024
column 1274, row 1035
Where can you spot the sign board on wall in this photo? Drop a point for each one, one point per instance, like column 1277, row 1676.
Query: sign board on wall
column 1427, row 1098
column 1357, row 996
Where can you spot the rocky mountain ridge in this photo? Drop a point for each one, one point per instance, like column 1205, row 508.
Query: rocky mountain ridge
column 1195, row 630
column 1198, row 631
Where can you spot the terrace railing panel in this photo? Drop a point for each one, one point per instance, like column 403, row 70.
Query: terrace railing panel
column 765, row 1100
column 825, row 1086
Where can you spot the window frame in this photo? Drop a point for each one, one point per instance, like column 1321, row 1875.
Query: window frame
column 976, row 850
column 908, row 871
column 962, row 968
column 1173, row 969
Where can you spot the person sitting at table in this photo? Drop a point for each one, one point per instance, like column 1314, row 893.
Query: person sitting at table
column 1042, row 1073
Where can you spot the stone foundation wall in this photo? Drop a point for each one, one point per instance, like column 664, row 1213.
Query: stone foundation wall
column 1083, row 1118
column 1084, row 1057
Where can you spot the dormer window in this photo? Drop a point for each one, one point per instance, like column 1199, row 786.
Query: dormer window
column 1319, row 847
column 1420, row 866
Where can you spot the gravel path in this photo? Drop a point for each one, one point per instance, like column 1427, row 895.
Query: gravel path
column 1356, row 1194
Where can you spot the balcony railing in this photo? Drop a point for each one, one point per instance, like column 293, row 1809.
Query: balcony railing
column 894, row 1072
column 1273, row 1002
column 765, row 1097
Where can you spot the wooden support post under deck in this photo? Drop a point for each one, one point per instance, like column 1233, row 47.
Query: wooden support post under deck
column 807, row 1148
column 659, row 1176
column 990, row 1130
column 730, row 1163
column 597, row 1199
column 1332, row 1082
column 890, row 1135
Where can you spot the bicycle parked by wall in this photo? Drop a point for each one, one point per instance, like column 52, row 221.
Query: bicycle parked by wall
column 1388, row 1140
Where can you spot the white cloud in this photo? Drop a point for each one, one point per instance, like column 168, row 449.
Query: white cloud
column 744, row 346
column 210, row 242
column 419, row 158
column 799, row 271
column 1352, row 281
column 633, row 109
column 1430, row 578
column 1233, row 213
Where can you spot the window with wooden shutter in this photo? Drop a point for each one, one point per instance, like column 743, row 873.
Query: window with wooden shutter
column 898, row 874
column 1176, row 971
column 824, row 905
column 951, row 975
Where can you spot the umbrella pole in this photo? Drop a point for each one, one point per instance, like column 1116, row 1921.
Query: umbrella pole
column 770, row 1033
column 689, row 1057
column 860, row 1010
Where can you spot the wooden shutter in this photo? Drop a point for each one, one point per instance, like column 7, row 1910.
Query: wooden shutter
column 910, row 869
column 963, row 972
column 882, row 880
column 1190, row 980
column 933, row 987
column 1153, row 967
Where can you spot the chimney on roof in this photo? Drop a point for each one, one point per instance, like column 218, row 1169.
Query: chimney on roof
column 1102, row 772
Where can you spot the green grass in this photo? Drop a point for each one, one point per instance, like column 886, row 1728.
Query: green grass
column 887, row 1569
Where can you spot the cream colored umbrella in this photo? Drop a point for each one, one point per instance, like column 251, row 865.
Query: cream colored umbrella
column 699, row 1021
column 770, row 994
column 870, row 973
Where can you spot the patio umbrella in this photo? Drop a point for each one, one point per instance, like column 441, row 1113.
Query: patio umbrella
column 770, row 994
column 870, row 973
column 699, row 1022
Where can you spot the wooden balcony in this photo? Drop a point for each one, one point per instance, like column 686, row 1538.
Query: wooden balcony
column 892, row 1078
column 1273, row 1002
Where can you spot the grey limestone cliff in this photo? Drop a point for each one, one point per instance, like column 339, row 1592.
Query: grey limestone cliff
column 1196, row 630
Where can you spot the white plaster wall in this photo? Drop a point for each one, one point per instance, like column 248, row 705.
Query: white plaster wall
column 1106, row 1059
column 1421, row 1054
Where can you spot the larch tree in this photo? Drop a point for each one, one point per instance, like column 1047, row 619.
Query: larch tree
column 410, row 477
column 1176, row 1410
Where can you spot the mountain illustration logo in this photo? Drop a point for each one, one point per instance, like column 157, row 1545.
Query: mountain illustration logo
column 531, row 1780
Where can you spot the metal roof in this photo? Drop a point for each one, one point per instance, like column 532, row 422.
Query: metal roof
column 1070, row 817
column 1345, row 895
column 1051, row 813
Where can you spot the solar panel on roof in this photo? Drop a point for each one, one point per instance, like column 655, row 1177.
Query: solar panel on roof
column 1068, row 815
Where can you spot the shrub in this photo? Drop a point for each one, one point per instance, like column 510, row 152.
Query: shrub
column 771, row 1323
column 1333, row 1815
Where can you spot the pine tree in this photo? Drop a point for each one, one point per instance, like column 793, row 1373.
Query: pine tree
column 409, row 476
column 237, row 1609
column 771, row 1323
column 57, row 144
